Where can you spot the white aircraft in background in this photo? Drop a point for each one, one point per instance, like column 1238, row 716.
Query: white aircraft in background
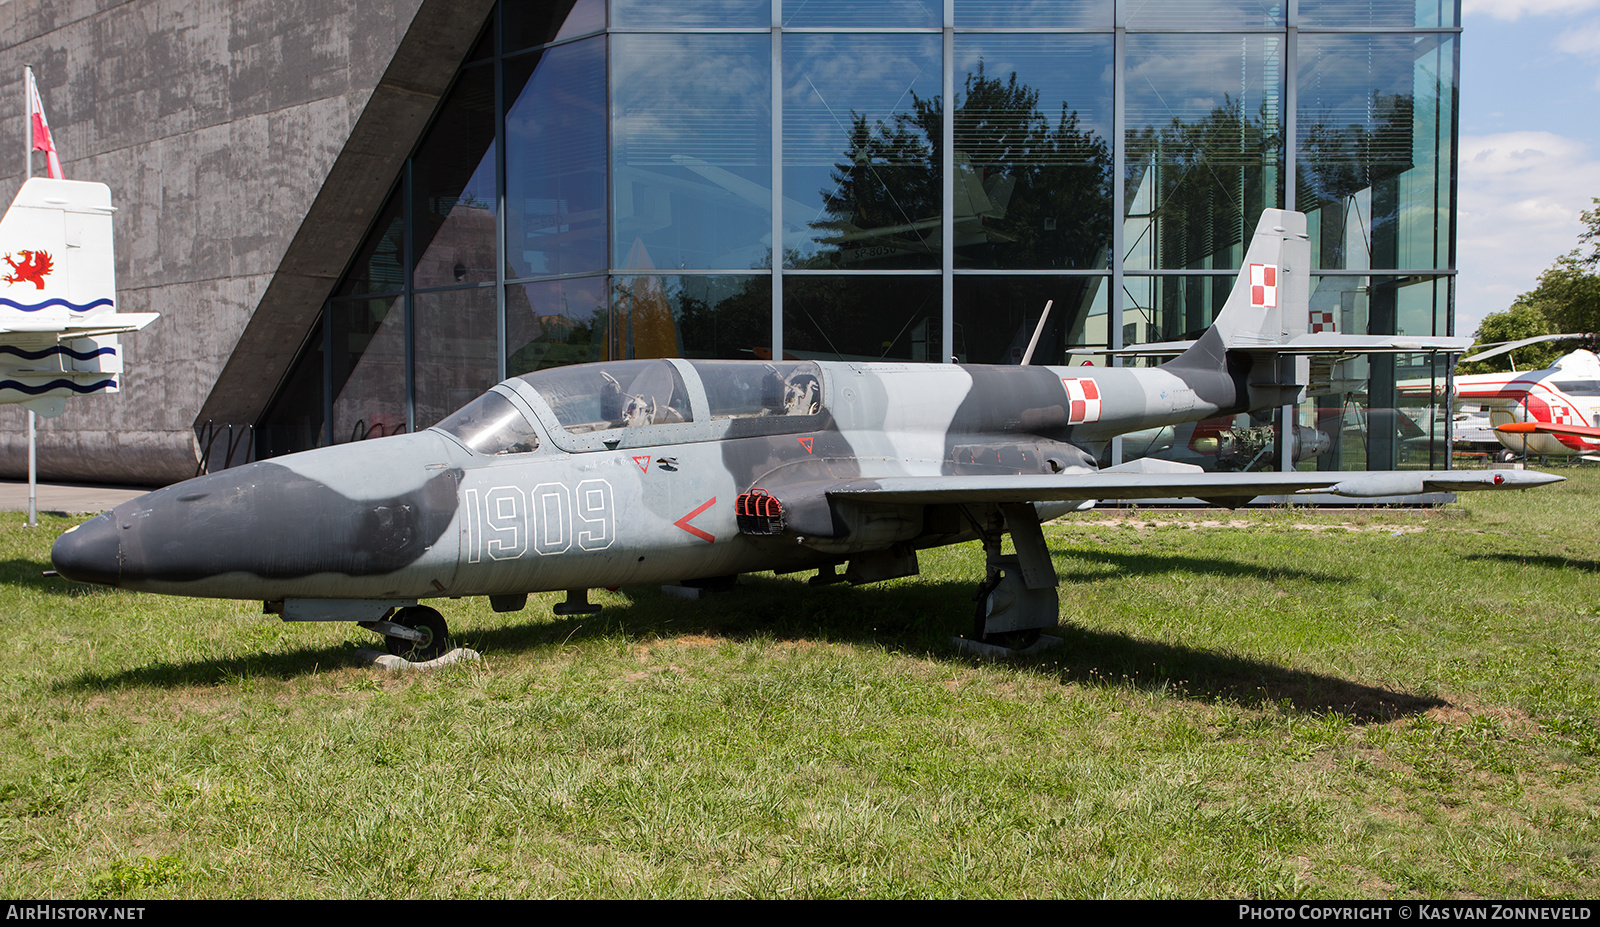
column 58, row 316
column 1564, row 396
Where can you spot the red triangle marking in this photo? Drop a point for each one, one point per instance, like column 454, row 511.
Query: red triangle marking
column 806, row 442
column 684, row 522
column 643, row 462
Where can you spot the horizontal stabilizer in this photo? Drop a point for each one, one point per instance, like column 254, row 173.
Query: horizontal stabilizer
column 1320, row 343
column 108, row 323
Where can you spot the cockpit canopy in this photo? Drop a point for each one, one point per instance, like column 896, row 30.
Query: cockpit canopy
column 598, row 398
column 491, row 425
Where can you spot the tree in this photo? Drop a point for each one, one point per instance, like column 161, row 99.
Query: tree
column 1521, row 321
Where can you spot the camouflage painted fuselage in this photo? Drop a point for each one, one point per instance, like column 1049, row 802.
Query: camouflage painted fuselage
column 421, row 516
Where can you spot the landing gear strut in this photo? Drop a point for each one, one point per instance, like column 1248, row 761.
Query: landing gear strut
column 1017, row 599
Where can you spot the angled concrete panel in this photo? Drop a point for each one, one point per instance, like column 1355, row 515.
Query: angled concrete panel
column 247, row 144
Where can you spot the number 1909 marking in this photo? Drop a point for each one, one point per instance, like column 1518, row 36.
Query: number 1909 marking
column 506, row 520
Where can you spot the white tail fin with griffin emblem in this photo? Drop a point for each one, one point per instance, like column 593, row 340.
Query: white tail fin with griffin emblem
column 58, row 316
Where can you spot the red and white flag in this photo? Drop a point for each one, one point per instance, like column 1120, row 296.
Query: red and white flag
column 40, row 130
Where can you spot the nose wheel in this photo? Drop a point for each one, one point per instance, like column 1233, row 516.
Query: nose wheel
column 428, row 624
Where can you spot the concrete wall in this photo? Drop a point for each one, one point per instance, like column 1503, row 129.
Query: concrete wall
column 223, row 128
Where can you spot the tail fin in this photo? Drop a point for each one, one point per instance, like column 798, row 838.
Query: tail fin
column 1261, row 333
column 58, row 317
column 1271, row 297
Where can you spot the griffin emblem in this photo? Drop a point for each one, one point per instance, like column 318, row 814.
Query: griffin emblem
column 35, row 265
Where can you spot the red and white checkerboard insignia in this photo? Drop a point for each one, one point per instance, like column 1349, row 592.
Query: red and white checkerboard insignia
column 1561, row 414
column 1083, row 396
column 1264, row 285
column 1322, row 322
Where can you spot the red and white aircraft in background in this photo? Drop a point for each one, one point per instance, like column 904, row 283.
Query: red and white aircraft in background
column 1551, row 412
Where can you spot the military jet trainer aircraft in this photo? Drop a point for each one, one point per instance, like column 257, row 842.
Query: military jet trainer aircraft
column 653, row 471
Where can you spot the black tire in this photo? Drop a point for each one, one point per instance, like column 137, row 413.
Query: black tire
column 436, row 634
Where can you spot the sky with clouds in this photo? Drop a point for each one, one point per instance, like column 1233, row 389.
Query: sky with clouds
column 1530, row 144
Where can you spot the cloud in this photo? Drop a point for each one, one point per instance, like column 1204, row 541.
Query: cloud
column 1520, row 196
column 1582, row 40
column 1515, row 9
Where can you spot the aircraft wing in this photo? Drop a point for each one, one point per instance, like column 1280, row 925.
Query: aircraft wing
column 1180, row 480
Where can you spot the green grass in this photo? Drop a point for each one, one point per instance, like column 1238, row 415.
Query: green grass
column 1265, row 703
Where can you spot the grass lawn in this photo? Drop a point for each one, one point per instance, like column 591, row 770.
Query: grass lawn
column 1263, row 703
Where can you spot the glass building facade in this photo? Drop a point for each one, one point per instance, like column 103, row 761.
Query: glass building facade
column 908, row 180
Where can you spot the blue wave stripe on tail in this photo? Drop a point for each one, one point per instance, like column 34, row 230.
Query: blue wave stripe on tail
column 57, row 301
column 59, row 349
column 55, row 384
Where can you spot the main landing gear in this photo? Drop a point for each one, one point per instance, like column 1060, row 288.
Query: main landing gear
column 1017, row 599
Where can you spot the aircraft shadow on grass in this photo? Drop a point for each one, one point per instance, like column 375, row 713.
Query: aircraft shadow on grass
column 1548, row 561
column 1078, row 565
column 29, row 574
column 920, row 617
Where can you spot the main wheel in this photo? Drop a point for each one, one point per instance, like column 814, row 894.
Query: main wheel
column 434, row 632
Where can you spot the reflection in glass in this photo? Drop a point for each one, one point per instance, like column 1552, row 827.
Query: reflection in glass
column 529, row 24
column 685, row 14
column 692, row 155
column 293, row 420
column 1204, row 146
column 555, row 323
column 376, row 268
column 1178, row 14
column 995, row 318
column 1391, row 14
column 691, row 316
column 455, row 350
column 1229, row 443
column 1353, row 305
column 861, row 137
column 556, row 161
column 895, row 14
column 1375, row 129
column 1038, row 14
column 453, row 188
column 1033, row 151
column 1377, row 412
column 369, row 368
column 1171, row 308
column 862, row 317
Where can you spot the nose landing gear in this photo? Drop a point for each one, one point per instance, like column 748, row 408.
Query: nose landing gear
column 417, row 633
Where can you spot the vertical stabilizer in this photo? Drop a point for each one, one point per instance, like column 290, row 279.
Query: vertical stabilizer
column 58, row 317
column 1270, row 298
column 1267, row 308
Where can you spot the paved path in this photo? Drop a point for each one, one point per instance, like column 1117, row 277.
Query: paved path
column 66, row 498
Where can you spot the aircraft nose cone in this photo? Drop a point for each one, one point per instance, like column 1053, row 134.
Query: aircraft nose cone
column 89, row 553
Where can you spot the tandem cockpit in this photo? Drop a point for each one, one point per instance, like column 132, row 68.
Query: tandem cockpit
column 620, row 404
